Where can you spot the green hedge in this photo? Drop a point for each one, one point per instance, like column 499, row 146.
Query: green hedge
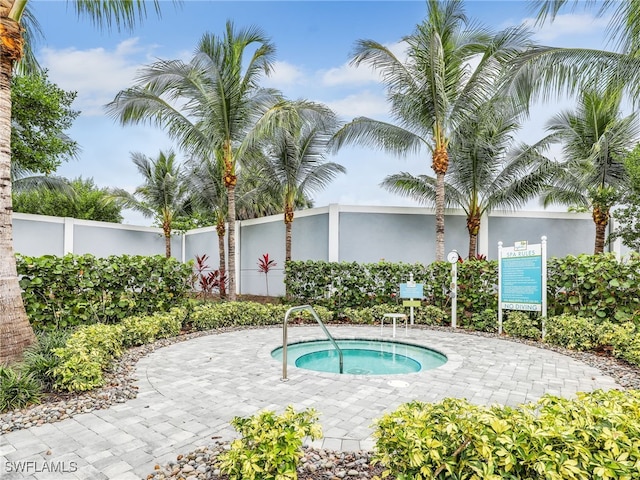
column 596, row 436
column 597, row 286
column 60, row 292
column 355, row 285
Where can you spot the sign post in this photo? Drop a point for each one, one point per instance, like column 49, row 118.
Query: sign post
column 453, row 260
column 522, row 279
column 411, row 290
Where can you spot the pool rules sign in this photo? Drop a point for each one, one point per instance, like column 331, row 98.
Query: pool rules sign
column 522, row 278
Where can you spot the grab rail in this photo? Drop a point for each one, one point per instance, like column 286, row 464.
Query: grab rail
column 284, row 337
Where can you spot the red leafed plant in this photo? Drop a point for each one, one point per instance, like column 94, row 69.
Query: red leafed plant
column 264, row 266
column 209, row 281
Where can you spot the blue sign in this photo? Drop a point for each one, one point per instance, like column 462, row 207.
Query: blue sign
column 521, row 280
column 413, row 290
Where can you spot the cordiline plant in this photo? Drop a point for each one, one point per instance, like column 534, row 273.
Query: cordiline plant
column 208, row 281
column 265, row 264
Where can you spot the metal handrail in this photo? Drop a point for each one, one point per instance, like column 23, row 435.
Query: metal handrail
column 284, row 337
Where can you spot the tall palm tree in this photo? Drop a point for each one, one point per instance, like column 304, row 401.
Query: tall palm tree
column 487, row 169
column 207, row 105
column 295, row 154
column 595, row 138
column 15, row 331
column 164, row 195
column 435, row 88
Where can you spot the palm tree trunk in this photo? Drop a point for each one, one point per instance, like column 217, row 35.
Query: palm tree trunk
column 231, row 240
column 16, row 333
column 440, row 165
column 288, row 222
column 601, row 219
column 473, row 227
column 167, row 240
column 439, row 217
column 222, row 260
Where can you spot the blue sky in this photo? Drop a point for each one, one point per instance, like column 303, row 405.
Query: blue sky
column 314, row 41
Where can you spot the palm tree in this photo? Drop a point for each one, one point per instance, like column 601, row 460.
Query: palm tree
column 164, row 194
column 551, row 71
column 434, row 88
column 295, row 163
column 205, row 179
column 595, row 139
column 207, row 105
column 487, row 170
column 15, row 331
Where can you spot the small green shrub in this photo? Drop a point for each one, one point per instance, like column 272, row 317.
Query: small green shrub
column 572, row 332
column 18, row 389
column 229, row 314
column 523, row 325
column 270, row 447
column 39, row 359
column 139, row 330
column 484, row 321
column 88, row 351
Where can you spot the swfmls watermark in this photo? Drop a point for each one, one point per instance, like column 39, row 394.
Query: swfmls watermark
column 34, row 466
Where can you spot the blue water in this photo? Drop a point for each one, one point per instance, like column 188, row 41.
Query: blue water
column 361, row 357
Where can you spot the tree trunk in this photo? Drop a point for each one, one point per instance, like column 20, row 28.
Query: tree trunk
column 473, row 227
column 167, row 240
column 222, row 260
column 439, row 217
column 288, row 221
column 440, row 165
column 601, row 219
column 231, row 241
column 16, row 333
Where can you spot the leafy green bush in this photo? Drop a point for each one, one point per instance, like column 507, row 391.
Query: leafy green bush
column 598, row 286
column 139, row 330
column 229, row 314
column 594, row 436
column 483, row 321
column 39, row 359
column 18, row 389
column 60, row 292
column 523, row 325
column 571, row 331
column 88, row 351
column 270, row 447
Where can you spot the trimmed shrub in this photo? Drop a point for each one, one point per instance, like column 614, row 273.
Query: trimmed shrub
column 523, row 325
column 147, row 329
column 61, row 292
column 89, row 350
column 18, row 389
column 271, row 445
column 230, row 314
column 594, row 436
column 572, row 332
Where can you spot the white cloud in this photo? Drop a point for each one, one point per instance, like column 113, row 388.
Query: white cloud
column 568, row 25
column 348, row 74
column 97, row 74
column 284, row 74
column 365, row 103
